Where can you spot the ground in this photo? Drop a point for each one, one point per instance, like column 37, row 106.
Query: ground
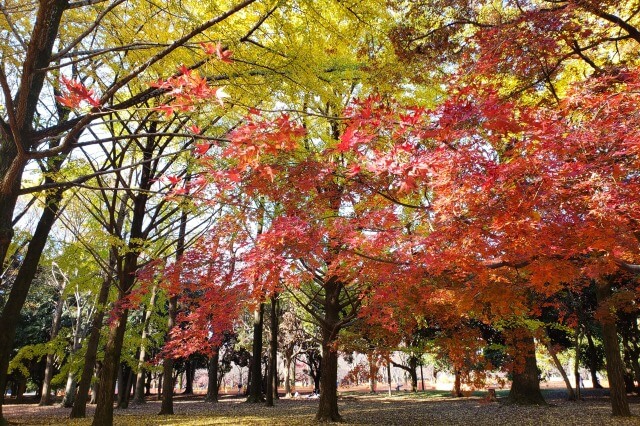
column 403, row 408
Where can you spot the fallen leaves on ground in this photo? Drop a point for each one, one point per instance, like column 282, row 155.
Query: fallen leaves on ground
column 400, row 409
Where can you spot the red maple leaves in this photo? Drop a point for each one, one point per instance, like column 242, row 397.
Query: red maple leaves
column 76, row 94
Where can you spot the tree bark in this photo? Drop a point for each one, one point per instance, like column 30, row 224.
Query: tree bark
column 525, row 387
column 138, row 397
column 619, row 402
column 167, row 364
column 45, row 398
column 289, row 364
column 593, row 362
column 109, row 370
column 328, row 407
column 212, row 387
column 20, row 287
column 189, row 373
column 570, row 393
column 255, row 384
column 79, row 409
column 272, row 381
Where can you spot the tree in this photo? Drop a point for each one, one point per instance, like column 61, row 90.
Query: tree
column 53, row 135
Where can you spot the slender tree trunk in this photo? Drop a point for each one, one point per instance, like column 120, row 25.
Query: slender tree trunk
column 167, row 364
column 45, row 398
column 79, row 409
column 21, row 284
column 95, row 387
column 255, row 385
column 525, row 388
column 189, row 372
column 619, row 402
column 570, row 393
column 389, row 376
column 140, row 377
column 109, row 370
column 160, row 386
column 288, row 364
column 272, row 381
column 69, row 391
column 213, row 386
column 126, row 394
column 593, row 360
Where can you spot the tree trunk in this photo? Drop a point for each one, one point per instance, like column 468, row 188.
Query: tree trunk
column 45, row 398
column 328, row 407
column 255, row 385
column 373, row 370
column 79, row 409
column 21, row 284
column 389, row 375
column 570, row 393
column 457, row 384
column 109, row 370
column 167, row 364
column 272, row 376
column 619, row 402
column 593, row 362
column 160, row 386
column 413, row 367
column 189, row 373
column 525, row 388
column 95, row 387
column 212, row 387
column 289, row 363
column 138, row 397
column 69, row 391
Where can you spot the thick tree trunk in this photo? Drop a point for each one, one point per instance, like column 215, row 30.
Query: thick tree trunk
column 413, row 372
column 45, row 398
column 525, row 388
column 255, row 384
column 619, row 402
column 212, row 387
column 328, row 407
column 457, row 385
column 389, row 375
column 272, row 376
column 373, row 370
column 109, row 370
